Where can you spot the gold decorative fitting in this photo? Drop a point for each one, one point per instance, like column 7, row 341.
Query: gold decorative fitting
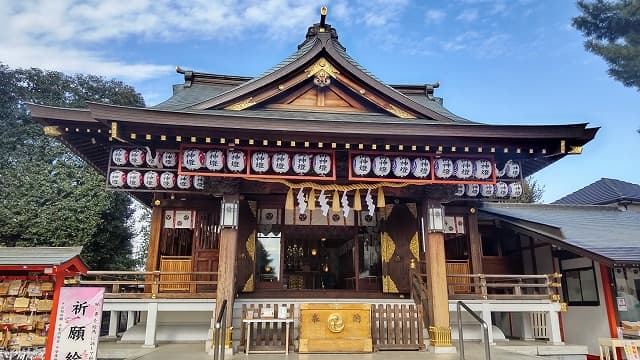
column 241, row 105
column 563, row 307
column 388, row 285
column 415, row 248
column 555, row 297
column 563, row 146
column 52, row 130
column 178, row 138
column 323, row 10
column 399, row 112
column 193, row 139
column 163, row 137
column 236, row 141
column 362, row 91
column 147, row 137
column 412, row 264
column 156, row 203
column 472, row 210
column 440, row 336
column 223, row 140
column 248, row 286
column 251, row 246
column 133, row 136
column 251, row 141
column 388, row 247
column 322, row 65
column 574, row 150
column 228, row 343
column 454, row 149
column 281, row 87
column 335, row 323
column 207, row 140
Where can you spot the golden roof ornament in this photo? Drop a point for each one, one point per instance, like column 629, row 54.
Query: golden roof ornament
column 323, row 18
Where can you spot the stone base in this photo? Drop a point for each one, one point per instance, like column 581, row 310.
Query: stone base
column 442, row 349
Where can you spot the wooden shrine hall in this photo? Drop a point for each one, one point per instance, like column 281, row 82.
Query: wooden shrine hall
column 314, row 181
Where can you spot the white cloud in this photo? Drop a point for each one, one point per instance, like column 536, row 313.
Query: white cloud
column 482, row 45
column 434, row 16
column 468, row 15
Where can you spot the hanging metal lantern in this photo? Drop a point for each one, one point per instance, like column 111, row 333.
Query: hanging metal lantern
column 169, row 159
column 134, row 179
column 117, row 178
column 280, row 162
column 236, row 160
column 214, row 160
column 463, row 168
column 381, row 165
column 168, row 180
column 443, row 168
column 322, row 164
column 151, row 179
column 401, row 166
column 482, row 169
column 421, row 167
column 193, row 159
column 361, row 165
column 184, row 182
column 301, row 163
column 260, row 162
column 120, row 157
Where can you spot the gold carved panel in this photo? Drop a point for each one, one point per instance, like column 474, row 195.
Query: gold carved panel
column 388, row 247
column 388, row 285
column 414, row 246
column 335, row 328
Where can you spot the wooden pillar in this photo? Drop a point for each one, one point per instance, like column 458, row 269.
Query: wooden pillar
column 475, row 242
column 154, row 238
column 226, row 269
column 439, row 329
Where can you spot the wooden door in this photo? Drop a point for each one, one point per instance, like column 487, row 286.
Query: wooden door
column 246, row 256
column 399, row 242
column 206, row 247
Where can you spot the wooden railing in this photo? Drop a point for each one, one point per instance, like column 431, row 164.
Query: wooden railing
column 149, row 284
column 458, row 267
column 493, row 286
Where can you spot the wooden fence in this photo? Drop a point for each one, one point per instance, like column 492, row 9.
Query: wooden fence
column 265, row 336
column 149, row 284
column 397, row 327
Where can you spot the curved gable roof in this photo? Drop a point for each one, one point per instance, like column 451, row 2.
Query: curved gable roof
column 602, row 192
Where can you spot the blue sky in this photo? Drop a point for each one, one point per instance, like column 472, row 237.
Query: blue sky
column 499, row 61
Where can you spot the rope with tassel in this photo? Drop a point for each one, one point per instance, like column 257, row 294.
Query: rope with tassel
column 357, row 205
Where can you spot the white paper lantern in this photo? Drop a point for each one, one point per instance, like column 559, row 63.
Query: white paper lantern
column 153, row 160
column 472, row 190
column 117, row 178
column 382, row 165
column 460, row 189
column 214, row 160
column 482, row 169
column 198, row 182
column 512, row 169
column 193, row 159
column 515, row 190
column 280, row 162
column 361, row 165
column 301, row 163
column 168, row 180
column 401, row 166
column 443, row 168
column 120, row 157
column 236, row 160
column 487, row 190
column 463, row 168
column 151, row 179
column 134, row 179
column 502, row 189
column 322, row 164
column 136, row 157
column 420, row 167
column 184, row 182
column 169, row 159
column 260, row 162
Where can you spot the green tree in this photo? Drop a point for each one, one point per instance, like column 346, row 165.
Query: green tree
column 532, row 191
column 49, row 196
column 612, row 29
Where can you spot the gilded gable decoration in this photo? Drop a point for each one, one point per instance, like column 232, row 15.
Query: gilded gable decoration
column 241, row 105
column 323, row 72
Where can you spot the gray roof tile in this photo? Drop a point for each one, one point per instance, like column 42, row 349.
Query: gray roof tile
column 37, row 255
column 602, row 192
column 602, row 230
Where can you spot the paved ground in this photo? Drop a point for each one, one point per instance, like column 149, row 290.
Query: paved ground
column 113, row 350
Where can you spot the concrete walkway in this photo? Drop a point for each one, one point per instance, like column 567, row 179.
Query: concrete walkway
column 113, row 351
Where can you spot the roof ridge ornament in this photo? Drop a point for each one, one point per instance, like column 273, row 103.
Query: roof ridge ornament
column 323, row 18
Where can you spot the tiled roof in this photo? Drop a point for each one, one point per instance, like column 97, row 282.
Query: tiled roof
column 606, row 232
column 603, row 191
column 37, row 255
column 184, row 97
